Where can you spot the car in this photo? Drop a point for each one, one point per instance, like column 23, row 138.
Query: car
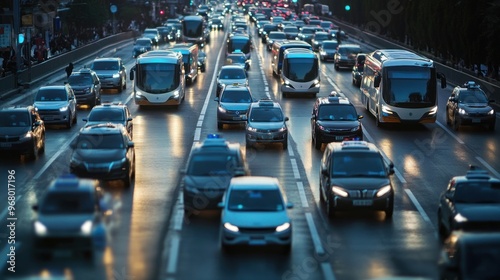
column 56, row 104
column 115, row 112
column 291, row 32
column 266, row 29
column 216, row 23
column 231, row 74
column 86, row 87
column 466, row 255
column 318, row 39
column 254, row 213
column 72, row 215
column 105, row 152
column 306, row 33
column 327, row 50
column 266, row 124
column 469, row 105
column 326, row 25
column 334, row 119
column 354, row 175
column 210, row 166
column 22, row 131
column 238, row 58
column 141, row 46
column 274, row 36
column 358, row 68
column 337, row 35
column 202, row 60
column 233, row 104
column 111, row 72
column 153, row 34
column 471, row 202
column 345, row 56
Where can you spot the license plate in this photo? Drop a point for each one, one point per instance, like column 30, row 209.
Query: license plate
column 236, row 119
column 364, row 202
column 243, row 117
column 267, row 137
column 339, row 138
column 258, row 242
column 476, row 120
column 5, row 145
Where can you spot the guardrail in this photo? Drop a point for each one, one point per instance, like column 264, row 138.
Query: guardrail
column 56, row 63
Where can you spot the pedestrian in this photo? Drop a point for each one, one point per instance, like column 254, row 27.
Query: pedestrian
column 69, row 69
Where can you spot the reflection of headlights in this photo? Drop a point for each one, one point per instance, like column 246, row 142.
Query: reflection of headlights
column 283, row 227
column 231, row 227
column 339, row 191
column 252, row 129
column 355, row 128
column 63, row 109
column 461, row 111
column 116, row 75
column 384, row 190
column 40, row 229
column 86, row 228
column 491, row 112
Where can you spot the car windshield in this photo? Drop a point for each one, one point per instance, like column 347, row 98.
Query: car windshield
column 291, row 29
column 356, row 164
column 106, row 115
column 472, row 97
column 77, row 80
column 266, row 115
column 255, row 200
column 14, row 119
column 330, row 45
column 308, row 31
column 279, row 35
column 337, row 113
column 477, row 192
column 481, row 260
column 321, row 37
column 232, row 74
column 68, row 203
column 51, row 95
column 212, row 164
column 349, row 51
column 236, row 96
column 143, row 42
column 105, row 65
column 100, row 141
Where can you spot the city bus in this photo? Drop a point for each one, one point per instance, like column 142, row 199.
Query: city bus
column 239, row 43
column 189, row 53
column 279, row 48
column 399, row 86
column 300, row 73
column 193, row 30
column 158, row 78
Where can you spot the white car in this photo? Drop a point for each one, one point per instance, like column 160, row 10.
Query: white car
column 254, row 213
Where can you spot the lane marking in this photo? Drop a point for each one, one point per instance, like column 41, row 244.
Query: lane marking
column 174, row 253
column 290, row 152
column 197, row 134
column 318, row 248
column 302, row 195
column 418, row 206
column 295, row 168
column 54, row 157
column 327, row 270
column 450, row 133
column 493, row 171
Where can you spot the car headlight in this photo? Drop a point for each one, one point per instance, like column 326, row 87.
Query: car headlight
column 40, row 229
column 116, row 75
column 221, row 109
column 386, row 110
column 322, row 52
column 383, row 190
column 323, row 128
column 176, row 93
column 63, row 109
column 283, row 227
column 339, row 191
column 27, row 135
column 459, row 218
column 491, row 112
column 231, row 227
column 461, row 111
column 252, row 129
column 356, row 128
column 433, row 111
column 283, row 128
column 316, row 82
column 86, row 228
column 118, row 163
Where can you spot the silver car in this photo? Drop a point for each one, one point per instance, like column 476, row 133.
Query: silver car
column 254, row 213
column 233, row 105
column 266, row 124
column 56, row 105
column 111, row 72
column 231, row 74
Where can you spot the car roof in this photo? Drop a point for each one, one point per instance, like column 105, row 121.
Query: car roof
column 71, row 183
column 265, row 103
column 53, row 87
column 476, row 175
column 215, row 143
column 103, row 128
column 328, row 100
column 237, row 87
column 231, row 67
column 254, row 183
column 353, row 146
column 107, row 59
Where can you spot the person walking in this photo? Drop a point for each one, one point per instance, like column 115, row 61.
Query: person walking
column 69, row 69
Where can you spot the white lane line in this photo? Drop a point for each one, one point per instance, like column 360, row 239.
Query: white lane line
column 327, row 270
column 450, row 133
column 295, row 169
column 4, row 212
column 302, row 195
column 54, row 157
column 493, row 171
column 174, row 253
column 197, row 134
column 199, row 123
column 396, row 171
column 290, row 152
column 418, row 206
column 318, row 248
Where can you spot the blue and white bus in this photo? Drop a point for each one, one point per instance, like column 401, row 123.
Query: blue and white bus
column 300, row 73
column 158, row 78
column 279, row 48
column 399, row 86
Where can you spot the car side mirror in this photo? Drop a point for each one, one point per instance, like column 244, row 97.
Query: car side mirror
column 38, row 123
column 360, row 117
column 183, row 171
column 239, row 171
column 287, row 119
column 216, row 99
column 324, row 171
column 85, row 119
column 391, row 168
column 289, row 205
column 130, row 144
column 129, row 119
column 34, row 207
column 220, row 204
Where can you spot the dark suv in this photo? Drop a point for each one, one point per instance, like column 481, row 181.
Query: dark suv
column 115, row 112
column 86, row 86
column 22, row 131
column 103, row 151
column 334, row 119
column 345, row 56
column 354, row 175
column 469, row 105
column 210, row 167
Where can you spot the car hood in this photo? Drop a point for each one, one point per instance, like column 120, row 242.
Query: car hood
column 94, row 123
column 14, row 131
column 267, row 125
column 236, row 106
column 50, row 104
column 98, row 155
column 255, row 219
column 360, row 183
column 219, row 182
column 479, row 212
column 80, row 87
column 479, row 107
column 232, row 81
column 65, row 222
column 341, row 125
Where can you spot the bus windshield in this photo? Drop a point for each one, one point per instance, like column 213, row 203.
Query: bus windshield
column 301, row 69
column 410, row 87
column 239, row 44
column 193, row 28
column 157, row 77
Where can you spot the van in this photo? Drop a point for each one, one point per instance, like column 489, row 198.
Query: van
column 189, row 53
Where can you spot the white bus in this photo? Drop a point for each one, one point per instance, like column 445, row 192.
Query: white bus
column 399, row 86
column 158, row 78
column 278, row 50
column 300, row 72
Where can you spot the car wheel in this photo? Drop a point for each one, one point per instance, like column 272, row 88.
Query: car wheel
column 317, row 144
column 491, row 126
column 337, row 67
column 378, row 123
column 220, row 125
column 389, row 211
column 124, row 83
column 330, row 211
column 285, row 144
column 202, row 68
column 441, row 229
column 448, row 121
column 33, row 153
column 42, row 148
column 75, row 119
column 456, row 124
column 285, row 249
column 70, row 121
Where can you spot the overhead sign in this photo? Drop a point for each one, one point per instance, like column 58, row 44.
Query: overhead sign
column 5, row 35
